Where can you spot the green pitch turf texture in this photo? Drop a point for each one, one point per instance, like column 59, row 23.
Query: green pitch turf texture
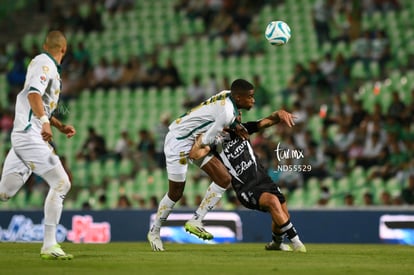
column 242, row 258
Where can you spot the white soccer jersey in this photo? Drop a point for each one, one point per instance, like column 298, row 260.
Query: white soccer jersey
column 210, row 117
column 42, row 77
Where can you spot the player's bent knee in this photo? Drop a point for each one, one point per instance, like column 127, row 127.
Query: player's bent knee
column 269, row 200
column 58, row 180
column 226, row 178
column 175, row 190
column 10, row 184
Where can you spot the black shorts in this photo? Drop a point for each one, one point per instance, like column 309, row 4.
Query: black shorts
column 249, row 197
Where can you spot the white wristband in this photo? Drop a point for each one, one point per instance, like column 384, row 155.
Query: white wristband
column 44, row 119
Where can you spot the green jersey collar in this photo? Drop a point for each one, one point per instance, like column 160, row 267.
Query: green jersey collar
column 236, row 110
column 54, row 61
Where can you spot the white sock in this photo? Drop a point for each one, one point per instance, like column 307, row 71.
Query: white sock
column 296, row 241
column 53, row 211
column 164, row 209
column 59, row 184
column 211, row 198
column 49, row 238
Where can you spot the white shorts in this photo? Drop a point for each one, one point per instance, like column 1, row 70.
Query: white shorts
column 176, row 154
column 30, row 153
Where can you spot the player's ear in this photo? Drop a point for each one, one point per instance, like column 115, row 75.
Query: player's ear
column 63, row 50
column 237, row 98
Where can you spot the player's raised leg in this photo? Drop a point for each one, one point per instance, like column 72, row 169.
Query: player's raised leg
column 15, row 174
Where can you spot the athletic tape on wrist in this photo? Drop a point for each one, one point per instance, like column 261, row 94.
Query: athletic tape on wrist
column 44, row 119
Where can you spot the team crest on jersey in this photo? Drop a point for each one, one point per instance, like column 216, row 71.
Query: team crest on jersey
column 45, row 69
column 43, row 79
column 183, row 159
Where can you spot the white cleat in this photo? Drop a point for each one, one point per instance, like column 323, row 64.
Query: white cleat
column 299, row 248
column 277, row 246
column 55, row 253
column 155, row 241
column 197, row 228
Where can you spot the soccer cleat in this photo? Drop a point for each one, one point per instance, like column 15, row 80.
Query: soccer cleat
column 196, row 228
column 299, row 248
column 155, row 241
column 55, row 253
column 277, row 246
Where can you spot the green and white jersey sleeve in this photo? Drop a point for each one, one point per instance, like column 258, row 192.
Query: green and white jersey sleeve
column 209, row 118
column 42, row 77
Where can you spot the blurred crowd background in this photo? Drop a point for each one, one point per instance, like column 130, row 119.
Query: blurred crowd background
column 133, row 66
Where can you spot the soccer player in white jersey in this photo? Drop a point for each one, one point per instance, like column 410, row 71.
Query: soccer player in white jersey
column 253, row 186
column 210, row 117
column 31, row 151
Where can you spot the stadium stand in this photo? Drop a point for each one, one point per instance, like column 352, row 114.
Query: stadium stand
column 159, row 28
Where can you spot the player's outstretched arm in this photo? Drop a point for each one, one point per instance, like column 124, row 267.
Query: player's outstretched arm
column 277, row 117
column 68, row 130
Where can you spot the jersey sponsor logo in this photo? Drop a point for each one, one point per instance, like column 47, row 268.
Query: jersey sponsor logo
column 233, row 153
column 23, row 229
column 85, row 230
column 243, row 166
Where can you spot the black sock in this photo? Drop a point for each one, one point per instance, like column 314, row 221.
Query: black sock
column 289, row 229
column 277, row 237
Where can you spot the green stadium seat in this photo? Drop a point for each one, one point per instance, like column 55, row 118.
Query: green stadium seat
column 96, row 173
column 343, row 185
column 393, row 185
column 82, row 197
column 112, row 193
column 358, row 71
column 19, row 201
column 125, row 167
column 312, row 198
column 297, row 198
column 36, row 199
column 377, row 183
column 335, row 200
column 358, row 183
column 137, row 32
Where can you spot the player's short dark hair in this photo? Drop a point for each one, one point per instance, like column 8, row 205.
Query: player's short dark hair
column 241, row 86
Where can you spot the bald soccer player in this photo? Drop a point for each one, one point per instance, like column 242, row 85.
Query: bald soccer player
column 31, row 151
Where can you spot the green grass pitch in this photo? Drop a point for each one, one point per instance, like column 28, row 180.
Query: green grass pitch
column 242, row 258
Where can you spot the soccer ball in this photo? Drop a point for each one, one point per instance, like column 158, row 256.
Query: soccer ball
column 277, row 33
